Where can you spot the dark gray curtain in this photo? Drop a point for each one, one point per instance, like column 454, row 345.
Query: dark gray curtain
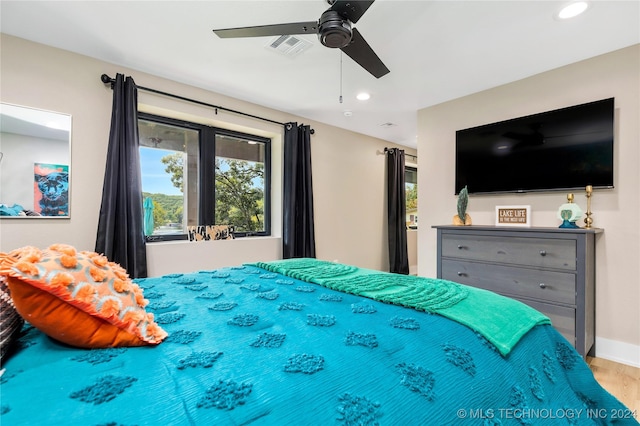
column 120, row 234
column 396, row 211
column 298, row 235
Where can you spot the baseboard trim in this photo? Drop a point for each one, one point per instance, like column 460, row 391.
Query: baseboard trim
column 613, row 350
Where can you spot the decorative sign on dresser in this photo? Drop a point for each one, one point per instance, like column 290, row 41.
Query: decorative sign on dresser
column 549, row 269
column 513, row 215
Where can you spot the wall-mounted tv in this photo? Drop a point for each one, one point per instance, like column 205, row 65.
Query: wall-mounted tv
column 563, row 149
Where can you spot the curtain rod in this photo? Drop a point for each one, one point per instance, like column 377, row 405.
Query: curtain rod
column 108, row 80
column 408, row 155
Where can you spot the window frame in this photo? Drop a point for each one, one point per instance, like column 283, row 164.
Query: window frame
column 414, row 169
column 206, row 173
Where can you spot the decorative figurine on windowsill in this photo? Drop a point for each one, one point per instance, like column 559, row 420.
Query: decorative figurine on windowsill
column 569, row 213
column 462, row 218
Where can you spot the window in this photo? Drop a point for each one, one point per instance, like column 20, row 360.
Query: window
column 195, row 174
column 411, row 196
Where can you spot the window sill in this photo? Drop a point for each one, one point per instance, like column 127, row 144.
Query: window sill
column 186, row 241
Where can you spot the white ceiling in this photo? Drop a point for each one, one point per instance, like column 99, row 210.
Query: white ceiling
column 436, row 50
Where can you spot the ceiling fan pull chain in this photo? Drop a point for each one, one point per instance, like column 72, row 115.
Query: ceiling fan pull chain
column 341, row 76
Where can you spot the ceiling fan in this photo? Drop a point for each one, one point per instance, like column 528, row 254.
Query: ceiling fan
column 334, row 29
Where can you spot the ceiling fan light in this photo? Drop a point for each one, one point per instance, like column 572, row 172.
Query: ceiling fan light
column 573, row 9
column 333, row 30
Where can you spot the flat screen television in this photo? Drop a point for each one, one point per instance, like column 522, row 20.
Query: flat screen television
column 563, row 149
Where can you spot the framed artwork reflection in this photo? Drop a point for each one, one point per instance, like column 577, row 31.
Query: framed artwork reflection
column 51, row 189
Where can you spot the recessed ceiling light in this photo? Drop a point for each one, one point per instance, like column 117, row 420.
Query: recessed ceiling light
column 363, row 96
column 572, row 9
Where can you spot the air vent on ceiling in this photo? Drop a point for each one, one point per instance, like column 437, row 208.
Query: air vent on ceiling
column 289, row 45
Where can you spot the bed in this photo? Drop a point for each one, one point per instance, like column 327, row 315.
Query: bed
column 310, row 342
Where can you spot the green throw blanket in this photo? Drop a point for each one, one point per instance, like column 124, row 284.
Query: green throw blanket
column 501, row 320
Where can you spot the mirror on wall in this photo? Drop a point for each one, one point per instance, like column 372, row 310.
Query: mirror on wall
column 35, row 163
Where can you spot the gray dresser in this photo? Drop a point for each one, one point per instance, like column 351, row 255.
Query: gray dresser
column 549, row 269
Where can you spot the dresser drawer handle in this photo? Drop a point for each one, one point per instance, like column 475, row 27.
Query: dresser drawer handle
column 462, row 274
column 543, row 285
column 543, row 252
column 461, row 247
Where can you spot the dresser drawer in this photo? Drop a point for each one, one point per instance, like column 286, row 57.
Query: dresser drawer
column 535, row 252
column 557, row 287
column 562, row 318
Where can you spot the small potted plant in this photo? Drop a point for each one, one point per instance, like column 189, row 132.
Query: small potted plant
column 462, row 218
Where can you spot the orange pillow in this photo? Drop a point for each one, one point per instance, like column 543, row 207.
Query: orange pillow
column 79, row 298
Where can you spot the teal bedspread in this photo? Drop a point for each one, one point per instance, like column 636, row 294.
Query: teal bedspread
column 251, row 346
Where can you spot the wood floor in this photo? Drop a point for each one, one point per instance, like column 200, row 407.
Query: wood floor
column 622, row 381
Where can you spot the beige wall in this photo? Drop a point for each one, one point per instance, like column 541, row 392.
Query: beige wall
column 348, row 167
column 616, row 74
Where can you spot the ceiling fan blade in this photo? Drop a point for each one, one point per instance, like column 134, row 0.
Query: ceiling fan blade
column 351, row 10
column 310, row 27
column 360, row 51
